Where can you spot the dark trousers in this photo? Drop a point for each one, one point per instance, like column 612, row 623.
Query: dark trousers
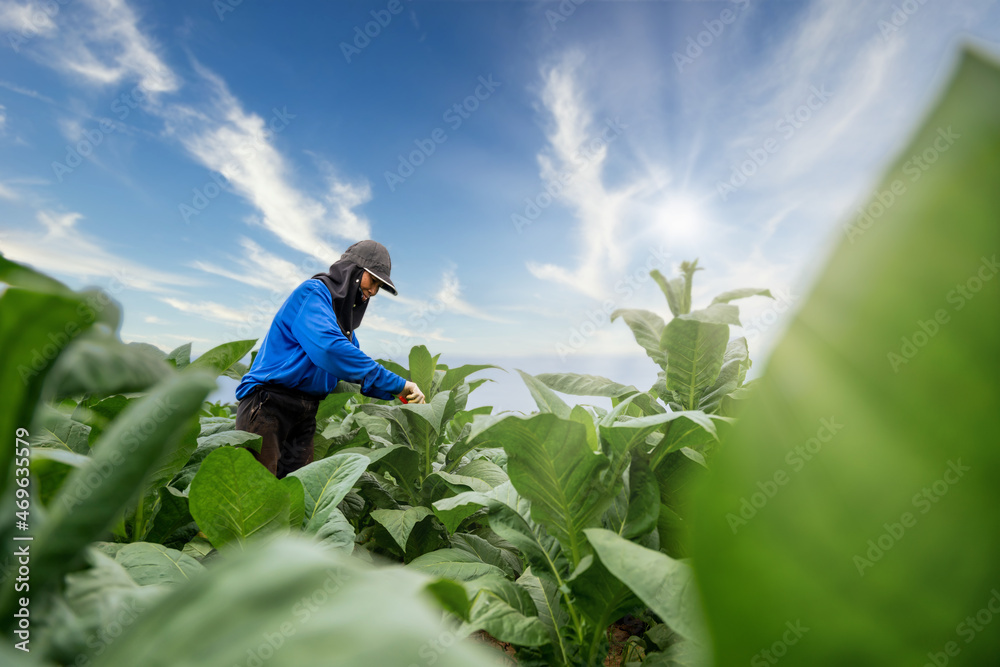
column 286, row 420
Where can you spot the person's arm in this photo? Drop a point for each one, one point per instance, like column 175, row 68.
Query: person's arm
column 317, row 331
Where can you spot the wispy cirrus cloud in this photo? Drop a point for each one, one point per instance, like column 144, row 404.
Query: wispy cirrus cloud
column 101, row 42
column 224, row 137
column 577, row 145
column 97, row 41
column 450, row 295
column 209, row 310
column 58, row 245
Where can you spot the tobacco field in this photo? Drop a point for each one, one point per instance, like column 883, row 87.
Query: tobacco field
column 840, row 509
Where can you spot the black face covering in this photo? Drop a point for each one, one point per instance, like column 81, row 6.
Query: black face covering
column 344, row 282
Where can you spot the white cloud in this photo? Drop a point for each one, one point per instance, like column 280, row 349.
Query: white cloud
column 264, row 269
column 61, row 248
column 27, row 92
column 208, row 309
column 98, row 42
column 28, row 18
column 576, row 153
column 450, row 295
column 224, row 137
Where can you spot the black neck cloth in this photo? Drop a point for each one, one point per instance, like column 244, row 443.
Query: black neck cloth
column 344, row 284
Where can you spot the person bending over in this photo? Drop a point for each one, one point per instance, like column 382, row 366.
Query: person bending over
column 311, row 346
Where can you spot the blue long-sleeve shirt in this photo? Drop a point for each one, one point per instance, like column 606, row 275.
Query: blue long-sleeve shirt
column 305, row 350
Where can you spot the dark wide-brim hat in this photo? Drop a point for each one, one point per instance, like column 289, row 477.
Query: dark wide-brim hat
column 373, row 258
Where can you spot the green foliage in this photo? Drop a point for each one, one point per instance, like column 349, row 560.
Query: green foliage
column 233, row 498
column 318, row 609
column 856, row 499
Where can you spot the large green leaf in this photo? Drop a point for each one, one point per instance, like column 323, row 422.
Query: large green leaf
column 673, row 290
column 150, row 563
column 337, row 534
column 548, row 608
column 456, row 564
column 547, row 400
column 298, row 605
column 647, row 327
column 485, row 551
column 180, row 356
column 744, row 293
column 422, row 369
column 665, row 584
column 173, row 516
column 94, row 495
column 454, row 510
column 223, row 357
column 55, row 430
column 326, row 483
column 717, row 313
column 142, row 511
column 104, row 365
column 696, row 351
column 400, row 523
column 431, row 413
column 28, row 319
column 21, row 275
column 856, row 499
column 506, row 611
column 231, row 438
column 456, row 376
column 619, row 438
column 98, row 413
column 585, row 385
column 233, row 498
column 95, row 602
column 734, row 363
column 551, row 465
column 50, row 467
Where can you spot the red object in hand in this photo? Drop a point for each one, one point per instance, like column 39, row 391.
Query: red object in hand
column 400, row 397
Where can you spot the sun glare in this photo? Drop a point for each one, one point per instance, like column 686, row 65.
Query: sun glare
column 682, row 219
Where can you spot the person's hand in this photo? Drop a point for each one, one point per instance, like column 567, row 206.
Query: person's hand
column 412, row 393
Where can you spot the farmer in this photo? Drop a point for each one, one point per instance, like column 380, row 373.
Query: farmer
column 310, row 346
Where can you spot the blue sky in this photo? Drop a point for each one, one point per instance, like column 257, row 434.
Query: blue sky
column 524, row 162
